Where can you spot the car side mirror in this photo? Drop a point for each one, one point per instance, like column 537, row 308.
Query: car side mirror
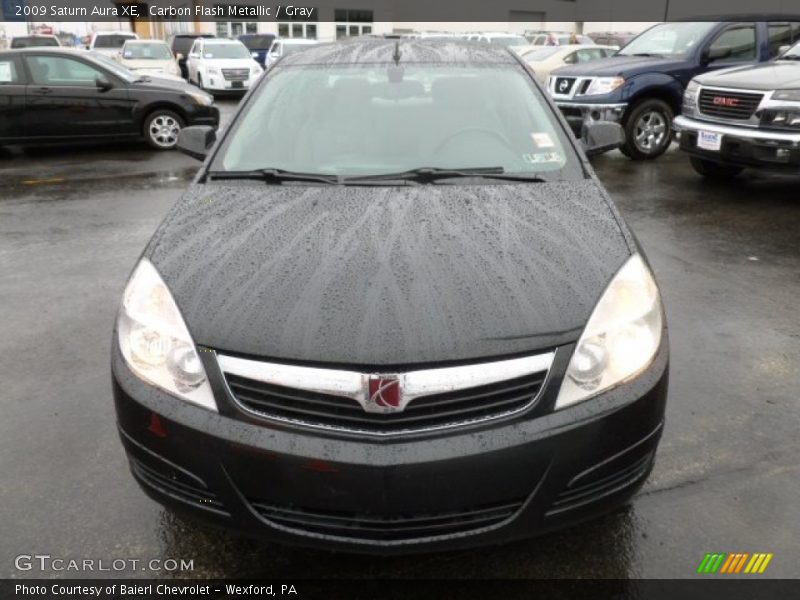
column 713, row 54
column 103, row 83
column 179, row 56
column 600, row 137
column 196, row 141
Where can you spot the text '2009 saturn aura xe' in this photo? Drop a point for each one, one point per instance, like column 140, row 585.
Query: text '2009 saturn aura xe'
column 395, row 311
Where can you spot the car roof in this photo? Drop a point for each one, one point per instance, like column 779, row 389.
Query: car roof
column 412, row 51
column 48, row 50
column 218, row 41
column 145, row 41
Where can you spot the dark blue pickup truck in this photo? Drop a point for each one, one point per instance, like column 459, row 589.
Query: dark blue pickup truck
column 641, row 87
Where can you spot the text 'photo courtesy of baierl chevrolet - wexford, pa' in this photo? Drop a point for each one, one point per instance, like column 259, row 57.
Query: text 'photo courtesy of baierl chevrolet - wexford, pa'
column 399, row 299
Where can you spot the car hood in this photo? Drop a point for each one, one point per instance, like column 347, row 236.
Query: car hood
column 388, row 275
column 622, row 66
column 147, row 63
column 163, row 81
column 768, row 76
column 229, row 63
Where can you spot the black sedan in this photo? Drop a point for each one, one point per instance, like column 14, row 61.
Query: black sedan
column 53, row 95
column 396, row 311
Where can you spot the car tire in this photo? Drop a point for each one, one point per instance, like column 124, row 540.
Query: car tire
column 713, row 170
column 161, row 129
column 648, row 129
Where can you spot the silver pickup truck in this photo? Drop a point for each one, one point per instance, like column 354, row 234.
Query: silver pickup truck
column 743, row 117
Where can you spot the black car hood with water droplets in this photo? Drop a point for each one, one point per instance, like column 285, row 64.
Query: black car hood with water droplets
column 388, row 276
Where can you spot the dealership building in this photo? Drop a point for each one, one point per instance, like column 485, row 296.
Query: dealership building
column 336, row 19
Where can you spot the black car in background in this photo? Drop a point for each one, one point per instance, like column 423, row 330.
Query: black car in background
column 416, row 323
column 58, row 95
column 180, row 44
column 258, row 44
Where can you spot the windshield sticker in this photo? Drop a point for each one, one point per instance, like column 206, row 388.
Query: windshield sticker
column 5, row 72
column 542, row 140
column 208, row 55
column 543, row 157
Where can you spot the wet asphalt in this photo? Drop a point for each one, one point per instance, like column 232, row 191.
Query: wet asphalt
column 727, row 256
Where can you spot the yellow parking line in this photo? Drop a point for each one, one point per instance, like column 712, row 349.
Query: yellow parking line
column 41, row 181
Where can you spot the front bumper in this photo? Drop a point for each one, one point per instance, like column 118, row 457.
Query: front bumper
column 218, row 84
column 203, row 115
column 461, row 489
column 741, row 146
column 579, row 113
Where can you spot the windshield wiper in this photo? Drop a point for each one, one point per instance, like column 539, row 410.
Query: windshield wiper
column 790, row 57
column 648, row 54
column 431, row 174
column 275, row 176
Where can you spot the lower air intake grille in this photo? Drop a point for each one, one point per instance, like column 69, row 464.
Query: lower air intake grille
column 384, row 528
column 178, row 486
column 575, row 496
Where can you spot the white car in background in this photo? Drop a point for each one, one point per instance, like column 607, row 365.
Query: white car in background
column 219, row 65
column 498, row 38
column 285, row 46
column 110, row 42
column 544, row 59
column 149, row 57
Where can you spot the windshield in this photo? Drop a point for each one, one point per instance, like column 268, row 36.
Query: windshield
column 668, row 39
column 146, row 51
column 112, row 40
column 516, row 40
column 31, row 42
column 792, row 53
column 257, row 42
column 114, row 67
column 236, row 50
column 356, row 120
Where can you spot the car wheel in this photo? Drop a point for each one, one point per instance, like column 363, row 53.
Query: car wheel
column 713, row 170
column 161, row 129
column 648, row 130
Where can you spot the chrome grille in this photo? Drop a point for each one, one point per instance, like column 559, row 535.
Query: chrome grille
column 236, row 74
column 728, row 104
column 429, row 399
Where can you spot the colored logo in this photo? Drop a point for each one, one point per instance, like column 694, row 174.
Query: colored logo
column 723, row 101
column 737, row 562
column 384, row 392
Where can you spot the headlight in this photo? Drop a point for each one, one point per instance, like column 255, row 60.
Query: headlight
column 781, row 118
column 212, row 70
column 604, row 85
column 201, row 98
column 787, row 95
column 690, row 98
column 621, row 338
column 154, row 340
column 255, row 71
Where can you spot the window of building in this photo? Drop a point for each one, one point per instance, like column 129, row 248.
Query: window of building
column 351, row 23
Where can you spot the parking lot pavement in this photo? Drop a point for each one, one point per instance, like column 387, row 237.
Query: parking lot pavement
column 727, row 478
